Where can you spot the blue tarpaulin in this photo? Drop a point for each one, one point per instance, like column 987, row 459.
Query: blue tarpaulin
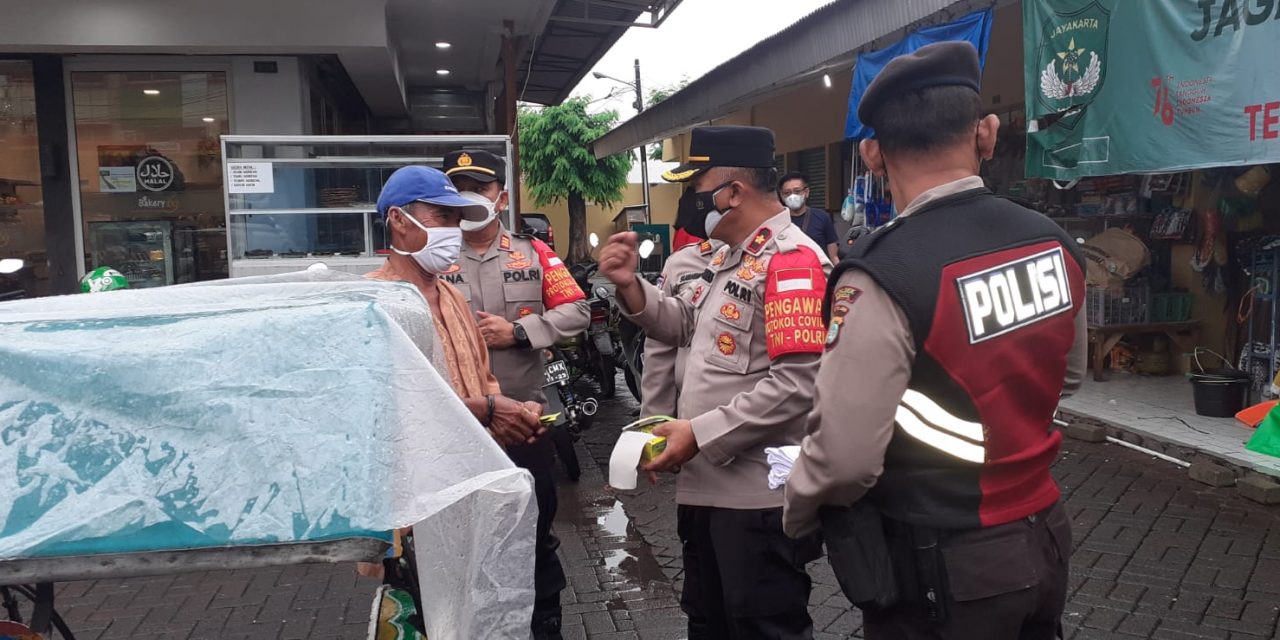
column 974, row 28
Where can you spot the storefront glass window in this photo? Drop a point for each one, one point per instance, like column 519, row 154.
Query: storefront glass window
column 151, row 173
column 21, row 202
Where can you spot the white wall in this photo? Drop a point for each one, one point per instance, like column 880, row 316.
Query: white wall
column 270, row 103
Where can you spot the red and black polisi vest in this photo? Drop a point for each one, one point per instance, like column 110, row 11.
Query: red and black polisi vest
column 991, row 291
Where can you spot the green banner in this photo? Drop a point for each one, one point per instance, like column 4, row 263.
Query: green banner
column 1147, row 86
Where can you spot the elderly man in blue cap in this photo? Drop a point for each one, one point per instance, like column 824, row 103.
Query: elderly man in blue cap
column 422, row 210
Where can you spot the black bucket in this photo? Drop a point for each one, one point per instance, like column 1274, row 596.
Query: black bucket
column 1219, row 393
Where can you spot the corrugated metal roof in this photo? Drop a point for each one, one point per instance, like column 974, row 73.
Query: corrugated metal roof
column 566, row 51
column 786, row 58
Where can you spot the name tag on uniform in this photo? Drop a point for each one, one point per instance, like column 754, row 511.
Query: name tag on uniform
column 1015, row 294
column 526, row 275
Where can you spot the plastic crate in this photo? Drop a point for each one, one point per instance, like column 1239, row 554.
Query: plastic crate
column 1171, row 307
column 1130, row 305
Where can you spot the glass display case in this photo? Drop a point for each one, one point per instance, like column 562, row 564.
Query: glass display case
column 142, row 251
column 293, row 201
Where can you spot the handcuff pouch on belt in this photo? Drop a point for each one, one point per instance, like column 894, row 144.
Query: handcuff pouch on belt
column 859, row 554
column 881, row 563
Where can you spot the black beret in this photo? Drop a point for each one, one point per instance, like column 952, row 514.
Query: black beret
column 942, row 64
column 724, row 146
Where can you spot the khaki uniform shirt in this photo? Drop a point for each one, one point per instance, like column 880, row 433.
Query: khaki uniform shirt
column 860, row 384
column 664, row 363
column 754, row 329
column 521, row 279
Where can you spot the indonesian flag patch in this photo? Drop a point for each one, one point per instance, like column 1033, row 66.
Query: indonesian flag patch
column 793, row 304
column 558, row 285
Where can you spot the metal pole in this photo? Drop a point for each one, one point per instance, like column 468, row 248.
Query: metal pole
column 644, row 156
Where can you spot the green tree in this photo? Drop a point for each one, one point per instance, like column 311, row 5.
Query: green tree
column 557, row 164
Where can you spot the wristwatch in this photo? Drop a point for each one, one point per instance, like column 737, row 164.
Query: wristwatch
column 522, row 337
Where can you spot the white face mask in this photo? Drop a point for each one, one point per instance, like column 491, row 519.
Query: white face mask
column 489, row 205
column 444, row 245
column 794, row 201
column 712, row 220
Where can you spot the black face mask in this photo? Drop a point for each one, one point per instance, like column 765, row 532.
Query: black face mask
column 703, row 204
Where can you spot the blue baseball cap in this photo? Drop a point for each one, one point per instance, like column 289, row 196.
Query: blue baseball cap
column 416, row 183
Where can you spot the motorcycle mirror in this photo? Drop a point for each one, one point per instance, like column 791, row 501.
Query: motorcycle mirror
column 646, row 248
column 602, row 292
column 12, row 265
column 595, row 239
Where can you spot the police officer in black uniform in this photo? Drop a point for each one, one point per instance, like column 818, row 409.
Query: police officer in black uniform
column 952, row 333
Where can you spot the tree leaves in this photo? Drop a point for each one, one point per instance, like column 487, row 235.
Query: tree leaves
column 556, row 160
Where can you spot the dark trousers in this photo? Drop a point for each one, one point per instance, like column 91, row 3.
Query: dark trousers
column 1005, row 582
column 548, row 574
column 743, row 577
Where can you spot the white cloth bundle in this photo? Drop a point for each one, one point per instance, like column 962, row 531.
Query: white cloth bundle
column 780, row 460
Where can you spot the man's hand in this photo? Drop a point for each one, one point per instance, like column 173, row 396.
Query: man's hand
column 516, row 422
column 618, row 259
column 497, row 332
column 681, row 447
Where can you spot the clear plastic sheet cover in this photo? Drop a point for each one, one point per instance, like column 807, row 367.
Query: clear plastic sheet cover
column 281, row 408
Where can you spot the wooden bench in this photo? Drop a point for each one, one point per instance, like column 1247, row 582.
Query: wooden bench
column 1103, row 338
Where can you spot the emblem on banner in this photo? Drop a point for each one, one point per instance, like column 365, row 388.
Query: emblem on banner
column 1072, row 57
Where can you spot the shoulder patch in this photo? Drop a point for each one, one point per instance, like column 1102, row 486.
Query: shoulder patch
column 558, row 285
column 794, row 287
column 504, row 242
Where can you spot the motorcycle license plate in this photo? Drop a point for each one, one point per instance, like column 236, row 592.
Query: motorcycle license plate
column 557, row 372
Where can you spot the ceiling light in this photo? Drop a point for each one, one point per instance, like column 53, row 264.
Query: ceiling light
column 826, row 80
column 442, row 72
column 443, row 45
column 151, row 92
column 207, row 119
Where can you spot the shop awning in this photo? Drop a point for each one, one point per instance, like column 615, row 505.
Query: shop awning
column 823, row 41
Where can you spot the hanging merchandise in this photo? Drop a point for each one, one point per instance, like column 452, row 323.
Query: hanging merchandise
column 1251, row 182
column 1172, row 224
column 1114, row 256
column 1209, row 223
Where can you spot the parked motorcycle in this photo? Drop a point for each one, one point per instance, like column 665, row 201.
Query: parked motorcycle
column 593, row 353
column 628, row 335
column 566, row 412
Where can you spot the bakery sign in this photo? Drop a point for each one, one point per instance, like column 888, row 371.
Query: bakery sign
column 155, row 173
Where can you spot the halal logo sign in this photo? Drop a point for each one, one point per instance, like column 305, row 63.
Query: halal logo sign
column 1072, row 57
column 155, row 173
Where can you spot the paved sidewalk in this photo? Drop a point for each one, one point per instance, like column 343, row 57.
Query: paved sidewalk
column 1157, row 555
column 1161, row 411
